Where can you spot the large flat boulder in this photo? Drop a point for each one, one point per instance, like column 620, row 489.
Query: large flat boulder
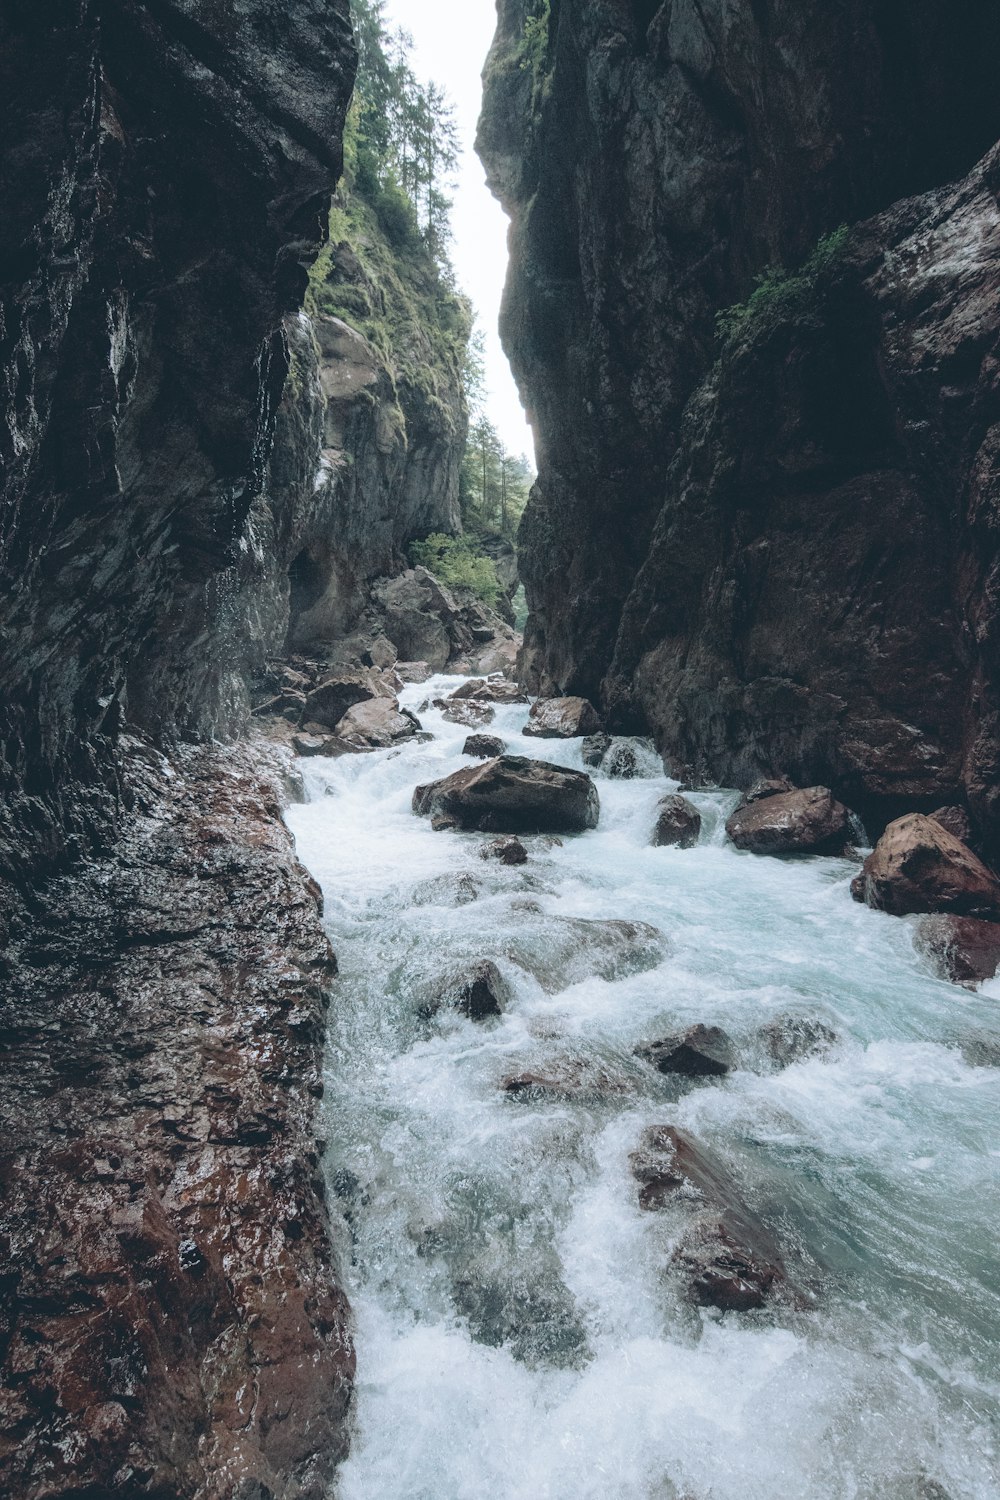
column 327, row 704
column 562, row 719
column 962, row 949
column 811, row 821
column 729, row 1257
column 919, row 867
column 490, row 690
column 377, row 724
column 512, row 795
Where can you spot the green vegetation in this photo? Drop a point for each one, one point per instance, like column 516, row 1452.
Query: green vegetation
column 495, row 483
column 455, row 561
column 782, row 294
column 385, row 269
column 534, row 50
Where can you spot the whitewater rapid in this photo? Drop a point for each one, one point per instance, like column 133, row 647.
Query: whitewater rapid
column 520, row 1336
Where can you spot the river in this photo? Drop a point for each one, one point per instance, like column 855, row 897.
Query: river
column 521, row 1333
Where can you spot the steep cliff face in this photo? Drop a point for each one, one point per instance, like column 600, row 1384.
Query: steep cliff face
column 373, row 426
column 653, row 159
column 167, row 170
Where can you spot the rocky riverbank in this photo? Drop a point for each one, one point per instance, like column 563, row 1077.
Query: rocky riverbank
column 172, row 1322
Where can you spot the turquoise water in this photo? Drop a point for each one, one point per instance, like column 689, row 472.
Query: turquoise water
column 521, row 1333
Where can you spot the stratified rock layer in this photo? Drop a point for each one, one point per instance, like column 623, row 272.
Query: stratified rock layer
column 171, row 1323
column 791, row 568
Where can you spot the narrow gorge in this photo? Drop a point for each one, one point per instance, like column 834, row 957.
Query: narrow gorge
column 499, row 991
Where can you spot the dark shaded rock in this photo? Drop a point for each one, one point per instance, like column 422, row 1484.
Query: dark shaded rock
column 962, row 949
column 956, row 821
column 678, row 823
column 806, row 822
column 493, row 690
column 377, row 725
column 414, row 671
column 561, row 719
column 730, row 1259
column 918, row 866
column 777, row 554
column 513, row 795
column 166, row 174
column 701, row 1052
column 508, row 851
column 417, row 611
column 329, row 702
column 484, row 746
column 479, row 992
column 594, row 748
column 791, row 1039
column 168, row 1281
column 308, row 745
column 564, row 1081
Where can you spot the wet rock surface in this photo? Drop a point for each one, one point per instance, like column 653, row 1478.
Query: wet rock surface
column 484, row 746
column 700, row 1052
column 172, row 1323
column 729, row 1258
column 802, row 822
column 918, row 866
column 791, row 1039
column 678, row 824
column 512, row 795
column 962, row 949
column 478, row 992
column 505, row 852
column 562, row 719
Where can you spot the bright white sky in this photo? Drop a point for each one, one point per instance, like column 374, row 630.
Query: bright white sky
column 450, row 41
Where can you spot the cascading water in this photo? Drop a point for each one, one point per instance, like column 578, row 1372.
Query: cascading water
column 521, row 1333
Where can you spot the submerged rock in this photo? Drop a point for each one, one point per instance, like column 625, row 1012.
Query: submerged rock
column 508, row 851
column 478, row 992
column 621, row 762
column 560, row 951
column 561, row 719
column 965, row 950
column 701, row 1052
column 484, row 746
column 513, row 795
column 678, row 824
column 729, row 1257
column 804, row 822
column 918, row 866
column 790, row 1039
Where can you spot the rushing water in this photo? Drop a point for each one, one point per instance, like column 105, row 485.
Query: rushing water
column 520, row 1333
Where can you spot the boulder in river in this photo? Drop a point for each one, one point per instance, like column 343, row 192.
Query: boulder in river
column 790, row 1039
column 513, row 795
column 491, row 690
column 965, row 950
column 699, row 1052
column 803, row 822
column 730, row 1259
column 413, row 671
column 484, row 746
column 561, row 719
column 327, row 704
column 678, row 823
column 377, row 724
column 508, row 851
column 468, row 711
column 918, row 866
column 478, row 992
column 594, row 748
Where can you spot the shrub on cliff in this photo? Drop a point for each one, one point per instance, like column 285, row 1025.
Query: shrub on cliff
column 782, row 294
column 454, row 560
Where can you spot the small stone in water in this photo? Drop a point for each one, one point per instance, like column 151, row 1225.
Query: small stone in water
column 702, row 1052
column 507, row 851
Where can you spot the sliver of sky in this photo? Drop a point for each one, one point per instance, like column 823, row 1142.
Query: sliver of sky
column 450, row 41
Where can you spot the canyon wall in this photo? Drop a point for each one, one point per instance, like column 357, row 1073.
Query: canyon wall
column 166, row 177
column 774, row 550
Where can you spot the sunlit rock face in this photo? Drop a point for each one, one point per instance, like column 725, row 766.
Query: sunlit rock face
column 167, row 174
column 818, row 600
